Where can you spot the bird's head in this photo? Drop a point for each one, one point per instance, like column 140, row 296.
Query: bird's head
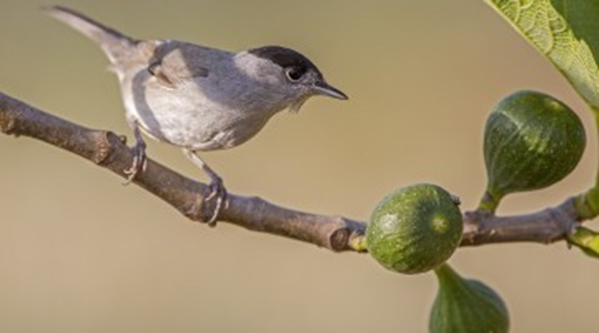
column 289, row 74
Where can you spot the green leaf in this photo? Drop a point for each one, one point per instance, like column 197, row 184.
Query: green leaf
column 566, row 32
column 587, row 240
column 582, row 17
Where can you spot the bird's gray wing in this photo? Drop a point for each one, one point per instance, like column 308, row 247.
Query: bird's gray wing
column 176, row 62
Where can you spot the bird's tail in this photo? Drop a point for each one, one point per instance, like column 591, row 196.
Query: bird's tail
column 115, row 44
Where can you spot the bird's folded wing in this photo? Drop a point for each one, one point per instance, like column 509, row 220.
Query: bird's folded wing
column 176, row 62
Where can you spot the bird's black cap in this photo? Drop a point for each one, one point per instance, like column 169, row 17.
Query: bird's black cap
column 286, row 58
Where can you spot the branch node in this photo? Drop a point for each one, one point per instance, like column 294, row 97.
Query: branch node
column 8, row 125
column 564, row 219
column 339, row 239
column 105, row 148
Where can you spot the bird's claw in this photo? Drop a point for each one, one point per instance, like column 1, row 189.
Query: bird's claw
column 140, row 163
column 215, row 191
column 219, row 193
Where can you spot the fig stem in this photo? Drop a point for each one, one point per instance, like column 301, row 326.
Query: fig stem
column 448, row 276
column 489, row 202
column 588, row 203
column 358, row 244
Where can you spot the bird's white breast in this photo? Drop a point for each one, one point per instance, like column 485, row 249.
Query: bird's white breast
column 197, row 114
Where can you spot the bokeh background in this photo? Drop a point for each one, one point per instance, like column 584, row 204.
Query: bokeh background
column 81, row 253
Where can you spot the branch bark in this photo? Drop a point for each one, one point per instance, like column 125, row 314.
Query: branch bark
column 335, row 233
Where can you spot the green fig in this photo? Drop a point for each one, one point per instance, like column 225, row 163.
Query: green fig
column 414, row 229
column 532, row 141
column 466, row 306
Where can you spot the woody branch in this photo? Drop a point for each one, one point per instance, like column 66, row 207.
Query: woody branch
column 336, row 233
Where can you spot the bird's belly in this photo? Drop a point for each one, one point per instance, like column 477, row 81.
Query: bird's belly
column 192, row 121
column 205, row 134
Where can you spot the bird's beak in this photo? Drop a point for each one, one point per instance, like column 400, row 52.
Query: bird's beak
column 323, row 88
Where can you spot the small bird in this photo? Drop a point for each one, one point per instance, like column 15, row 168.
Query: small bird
column 200, row 98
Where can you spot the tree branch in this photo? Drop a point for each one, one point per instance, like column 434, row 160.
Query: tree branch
column 546, row 226
column 109, row 151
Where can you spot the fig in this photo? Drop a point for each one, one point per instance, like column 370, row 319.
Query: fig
column 466, row 306
column 532, row 141
column 414, row 229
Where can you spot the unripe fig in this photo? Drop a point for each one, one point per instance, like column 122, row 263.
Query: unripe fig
column 532, row 141
column 414, row 229
column 466, row 306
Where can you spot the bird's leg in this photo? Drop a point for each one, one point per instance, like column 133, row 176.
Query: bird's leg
column 218, row 191
column 140, row 161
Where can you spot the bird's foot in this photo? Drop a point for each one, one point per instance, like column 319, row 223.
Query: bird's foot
column 216, row 197
column 218, row 193
column 140, row 162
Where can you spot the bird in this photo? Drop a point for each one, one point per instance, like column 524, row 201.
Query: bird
column 200, row 98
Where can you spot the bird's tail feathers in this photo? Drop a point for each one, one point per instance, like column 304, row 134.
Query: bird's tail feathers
column 115, row 44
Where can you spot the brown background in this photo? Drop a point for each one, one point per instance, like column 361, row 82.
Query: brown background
column 81, row 253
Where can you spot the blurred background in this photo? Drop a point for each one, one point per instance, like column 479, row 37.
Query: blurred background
column 81, row 253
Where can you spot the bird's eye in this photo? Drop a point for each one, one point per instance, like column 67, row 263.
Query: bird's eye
column 294, row 74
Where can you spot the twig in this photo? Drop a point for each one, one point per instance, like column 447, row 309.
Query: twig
column 109, row 151
column 546, row 226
